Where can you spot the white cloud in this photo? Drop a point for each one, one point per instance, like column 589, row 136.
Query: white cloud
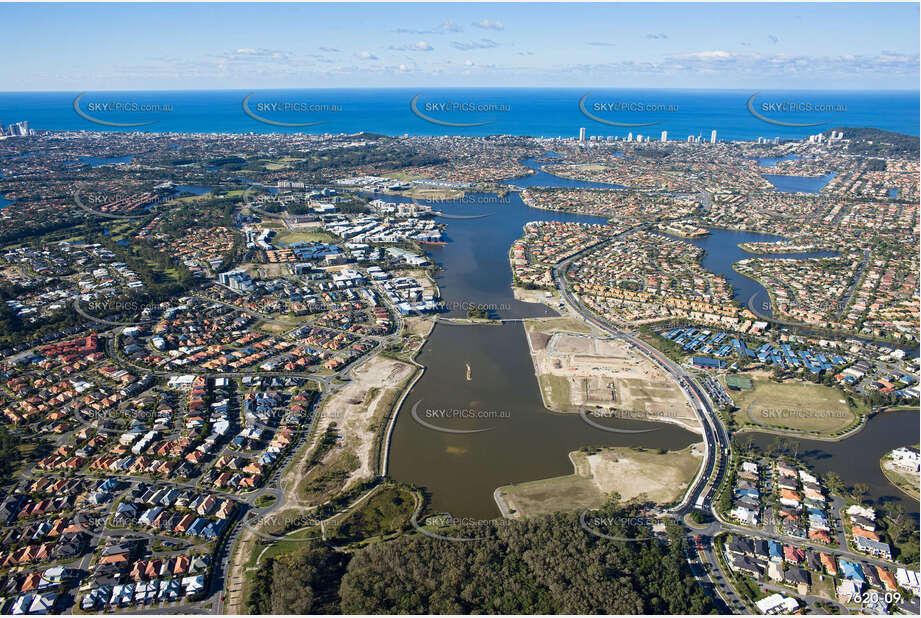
column 249, row 54
column 489, row 25
column 709, row 55
column 481, row 44
column 417, row 46
column 445, row 27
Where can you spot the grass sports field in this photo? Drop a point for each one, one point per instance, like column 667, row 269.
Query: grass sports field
column 793, row 405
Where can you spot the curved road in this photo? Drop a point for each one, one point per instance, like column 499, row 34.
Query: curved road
column 716, row 439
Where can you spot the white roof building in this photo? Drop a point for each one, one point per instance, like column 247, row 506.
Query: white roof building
column 910, row 580
column 745, row 515
column 777, row 604
column 862, row 511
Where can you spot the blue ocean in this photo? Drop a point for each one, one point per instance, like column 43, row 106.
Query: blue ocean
column 538, row 112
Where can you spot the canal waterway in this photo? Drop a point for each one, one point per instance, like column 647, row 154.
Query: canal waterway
column 541, row 178
column 474, row 262
column 798, row 184
column 856, row 459
column 482, row 377
column 722, row 250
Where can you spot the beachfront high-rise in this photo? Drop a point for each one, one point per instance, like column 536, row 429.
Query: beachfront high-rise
column 713, row 136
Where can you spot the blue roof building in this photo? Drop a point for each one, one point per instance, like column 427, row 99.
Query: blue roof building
column 775, row 550
column 707, row 363
column 851, row 570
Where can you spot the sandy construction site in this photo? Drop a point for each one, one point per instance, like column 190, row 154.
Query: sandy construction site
column 361, row 407
column 633, row 473
column 606, row 376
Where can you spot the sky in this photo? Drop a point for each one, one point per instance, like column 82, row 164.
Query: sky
column 80, row 47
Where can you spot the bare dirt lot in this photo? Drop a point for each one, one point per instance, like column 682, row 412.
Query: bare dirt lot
column 632, row 473
column 358, row 407
column 580, row 370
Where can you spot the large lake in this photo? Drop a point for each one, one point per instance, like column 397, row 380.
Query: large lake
column 524, row 441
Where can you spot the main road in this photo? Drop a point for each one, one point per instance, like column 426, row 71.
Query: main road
column 716, row 439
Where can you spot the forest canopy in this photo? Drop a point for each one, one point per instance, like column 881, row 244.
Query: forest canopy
column 547, row 565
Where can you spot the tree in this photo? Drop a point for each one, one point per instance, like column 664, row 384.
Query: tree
column 895, row 517
column 747, row 444
column 859, row 491
column 794, row 447
column 834, row 483
column 9, row 453
column 304, row 582
column 546, row 565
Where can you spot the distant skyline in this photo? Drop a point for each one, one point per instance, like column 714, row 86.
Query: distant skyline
column 81, row 47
